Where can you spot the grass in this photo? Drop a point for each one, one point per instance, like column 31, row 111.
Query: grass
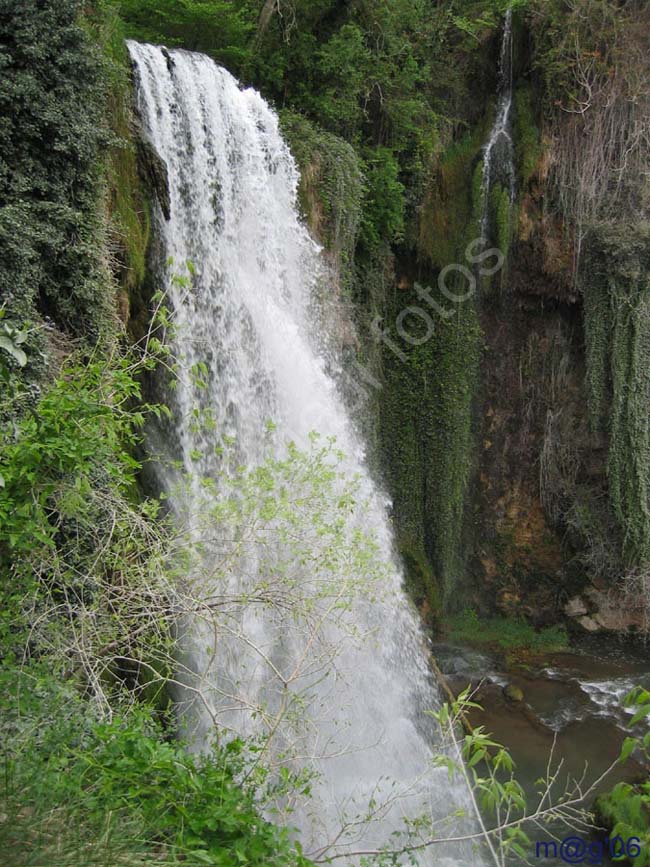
column 506, row 633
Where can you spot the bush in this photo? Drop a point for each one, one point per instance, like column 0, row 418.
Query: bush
column 51, row 91
column 625, row 813
column 81, row 791
column 383, row 215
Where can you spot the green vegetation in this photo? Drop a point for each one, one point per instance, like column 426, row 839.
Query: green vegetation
column 625, row 810
column 127, row 200
column 216, row 27
column 81, row 790
column 426, row 415
column 501, row 217
column 506, row 633
column 51, row 90
column 426, row 420
column 617, row 294
column 331, row 188
column 528, row 147
column 451, row 208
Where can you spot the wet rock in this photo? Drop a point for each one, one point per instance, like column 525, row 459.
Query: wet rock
column 169, row 60
column 153, row 170
column 513, row 693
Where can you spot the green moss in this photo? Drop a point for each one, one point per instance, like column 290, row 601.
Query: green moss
column 477, row 190
column 331, row 187
column 528, row 147
column 451, row 208
column 598, row 317
column 127, row 201
column 506, row 633
column 501, row 217
column 427, row 434
column 420, row 581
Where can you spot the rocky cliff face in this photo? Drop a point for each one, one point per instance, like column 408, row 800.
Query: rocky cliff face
column 507, row 422
column 512, row 434
column 560, row 496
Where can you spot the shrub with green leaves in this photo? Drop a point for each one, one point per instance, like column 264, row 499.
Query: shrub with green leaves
column 77, row 545
column 78, row 790
column 51, row 136
column 625, row 810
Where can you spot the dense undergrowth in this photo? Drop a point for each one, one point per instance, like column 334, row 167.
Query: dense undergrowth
column 92, row 771
column 53, row 89
column 81, row 789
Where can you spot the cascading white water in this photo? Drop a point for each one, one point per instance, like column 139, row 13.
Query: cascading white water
column 248, row 317
column 498, row 152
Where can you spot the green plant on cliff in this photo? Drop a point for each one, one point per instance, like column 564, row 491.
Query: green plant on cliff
column 51, row 87
column 501, row 213
column 331, row 187
column 617, row 295
column 426, row 418
column 528, row 147
column 452, row 204
column 127, row 202
column 383, row 215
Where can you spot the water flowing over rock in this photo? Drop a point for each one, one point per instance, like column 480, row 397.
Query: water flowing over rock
column 248, row 313
column 498, row 153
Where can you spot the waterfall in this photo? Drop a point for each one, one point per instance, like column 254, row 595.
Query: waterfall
column 248, row 314
column 498, row 152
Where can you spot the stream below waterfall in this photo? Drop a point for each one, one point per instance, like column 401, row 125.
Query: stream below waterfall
column 572, row 698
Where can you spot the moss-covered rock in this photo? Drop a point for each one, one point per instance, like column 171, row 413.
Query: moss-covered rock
column 331, row 188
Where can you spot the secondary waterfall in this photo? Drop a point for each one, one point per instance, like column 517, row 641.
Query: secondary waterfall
column 498, row 153
column 246, row 319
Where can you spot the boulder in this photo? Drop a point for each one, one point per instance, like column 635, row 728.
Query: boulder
column 512, row 692
column 589, row 624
